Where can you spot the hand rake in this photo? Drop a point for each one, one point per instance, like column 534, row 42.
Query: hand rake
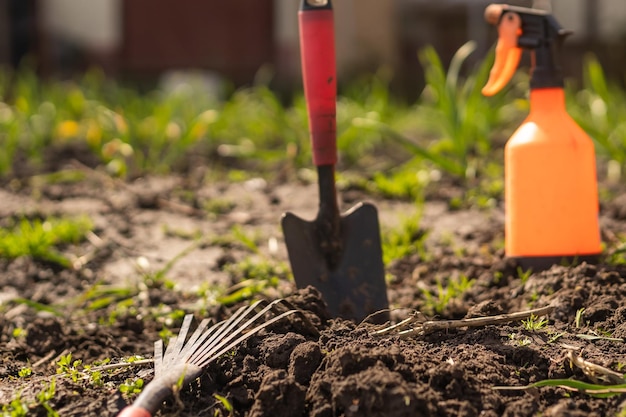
column 185, row 360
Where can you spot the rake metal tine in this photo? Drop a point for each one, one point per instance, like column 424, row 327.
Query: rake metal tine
column 158, row 357
column 287, row 304
column 168, row 356
column 228, row 325
column 221, row 328
column 262, row 312
column 208, row 359
column 281, row 303
column 176, row 342
column 208, row 338
column 182, row 335
column 197, row 334
column 210, row 349
column 236, row 318
column 303, row 316
column 233, row 320
column 207, row 348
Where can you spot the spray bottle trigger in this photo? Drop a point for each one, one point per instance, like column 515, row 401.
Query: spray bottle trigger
column 508, row 53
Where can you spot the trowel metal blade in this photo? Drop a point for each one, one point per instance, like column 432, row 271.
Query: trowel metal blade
column 356, row 287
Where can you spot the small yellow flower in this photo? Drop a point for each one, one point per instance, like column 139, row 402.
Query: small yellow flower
column 203, row 121
column 198, row 130
column 94, row 133
column 67, row 129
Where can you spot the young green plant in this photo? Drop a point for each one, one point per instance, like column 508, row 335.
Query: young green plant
column 535, row 323
column 454, row 112
column 40, row 239
column 437, row 301
column 599, row 108
column 404, row 240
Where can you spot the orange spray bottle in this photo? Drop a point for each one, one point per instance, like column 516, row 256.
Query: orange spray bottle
column 551, row 192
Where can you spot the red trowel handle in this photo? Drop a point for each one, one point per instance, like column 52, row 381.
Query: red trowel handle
column 317, row 49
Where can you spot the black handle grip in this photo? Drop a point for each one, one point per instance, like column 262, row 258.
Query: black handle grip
column 309, row 5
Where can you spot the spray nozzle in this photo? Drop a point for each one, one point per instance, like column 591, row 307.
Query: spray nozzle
column 524, row 28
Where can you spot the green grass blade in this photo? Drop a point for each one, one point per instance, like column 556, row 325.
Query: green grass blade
column 442, row 162
column 594, row 337
column 595, row 390
column 38, row 306
column 452, row 80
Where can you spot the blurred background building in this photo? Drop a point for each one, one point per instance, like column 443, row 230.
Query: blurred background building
column 142, row 39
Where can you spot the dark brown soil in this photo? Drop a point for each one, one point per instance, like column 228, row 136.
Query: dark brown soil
column 287, row 371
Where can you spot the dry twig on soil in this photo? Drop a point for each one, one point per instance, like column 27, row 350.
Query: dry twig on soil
column 598, row 374
column 417, row 325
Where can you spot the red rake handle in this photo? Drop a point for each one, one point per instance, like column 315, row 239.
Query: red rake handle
column 133, row 411
column 317, row 48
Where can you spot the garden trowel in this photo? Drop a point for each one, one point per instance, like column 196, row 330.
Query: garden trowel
column 340, row 255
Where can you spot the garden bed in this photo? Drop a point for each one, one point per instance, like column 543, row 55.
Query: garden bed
column 160, row 247
column 174, row 209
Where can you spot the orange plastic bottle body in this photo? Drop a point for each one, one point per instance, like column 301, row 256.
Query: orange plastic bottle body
column 551, row 193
